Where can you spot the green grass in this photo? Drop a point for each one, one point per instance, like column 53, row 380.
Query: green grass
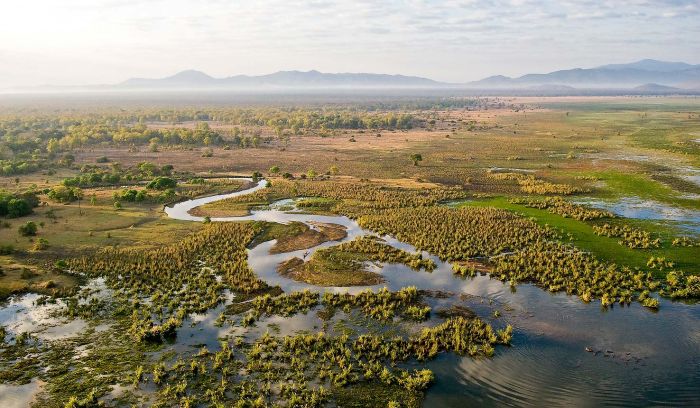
column 605, row 248
column 274, row 230
column 623, row 184
column 296, row 235
column 331, row 267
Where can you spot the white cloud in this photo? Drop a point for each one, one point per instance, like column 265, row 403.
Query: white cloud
column 101, row 41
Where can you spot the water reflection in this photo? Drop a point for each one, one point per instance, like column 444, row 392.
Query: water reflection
column 19, row 396
column 636, row 357
column 24, row 313
column 634, row 207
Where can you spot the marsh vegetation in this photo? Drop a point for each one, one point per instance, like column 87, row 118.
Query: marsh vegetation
column 367, row 257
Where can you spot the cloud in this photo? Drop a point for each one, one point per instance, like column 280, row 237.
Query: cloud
column 457, row 40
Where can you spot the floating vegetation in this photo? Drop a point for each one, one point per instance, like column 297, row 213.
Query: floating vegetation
column 630, row 237
column 681, row 286
column 464, row 270
column 382, row 305
column 660, row 263
column 285, row 305
column 77, row 370
column 376, row 250
column 299, row 370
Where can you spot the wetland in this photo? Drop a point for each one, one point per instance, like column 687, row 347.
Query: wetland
column 256, row 277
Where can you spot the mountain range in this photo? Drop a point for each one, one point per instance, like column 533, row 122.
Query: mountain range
column 642, row 76
column 646, row 72
column 198, row 79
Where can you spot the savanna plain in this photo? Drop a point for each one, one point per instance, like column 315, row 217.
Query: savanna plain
column 426, row 251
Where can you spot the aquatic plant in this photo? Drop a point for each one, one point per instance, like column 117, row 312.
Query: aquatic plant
column 630, row 237
column 684, row 242
column 457, row 234
column 165, row 284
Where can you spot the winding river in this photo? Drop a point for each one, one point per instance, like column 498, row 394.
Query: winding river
column 638, row 357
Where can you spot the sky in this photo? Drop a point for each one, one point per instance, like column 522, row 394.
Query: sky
column 79, row 42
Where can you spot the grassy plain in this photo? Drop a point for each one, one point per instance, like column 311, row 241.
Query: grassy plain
column 613, row 147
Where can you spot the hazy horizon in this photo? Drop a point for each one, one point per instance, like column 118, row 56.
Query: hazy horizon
column 80, row 42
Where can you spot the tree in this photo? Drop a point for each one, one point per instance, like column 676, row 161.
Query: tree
column 334, row 170
column 78, row 193
column 67, row 160
column 161, row 183
column 274, row 169
column 311, row 173
column 52, row 147
column 416, row 157
column 63, row 194
column 167, row 169
column 153, row 145
column 15, row 205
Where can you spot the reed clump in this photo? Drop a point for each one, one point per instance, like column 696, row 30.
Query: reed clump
column 630, row 237
column 160, row 287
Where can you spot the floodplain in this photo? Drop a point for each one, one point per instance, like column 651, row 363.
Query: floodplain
column 427, row 252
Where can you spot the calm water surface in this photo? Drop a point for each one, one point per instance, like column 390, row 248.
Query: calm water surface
column 639, row 357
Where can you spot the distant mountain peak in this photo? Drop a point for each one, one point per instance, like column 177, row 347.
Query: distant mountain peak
column 650, row 65
column 191, row 73
column 644, row 72
column 655, row 88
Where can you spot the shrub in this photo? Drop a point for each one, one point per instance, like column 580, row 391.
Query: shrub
column 41, row 244
column 17, row 205
column 28, row 229
column 131, row 195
